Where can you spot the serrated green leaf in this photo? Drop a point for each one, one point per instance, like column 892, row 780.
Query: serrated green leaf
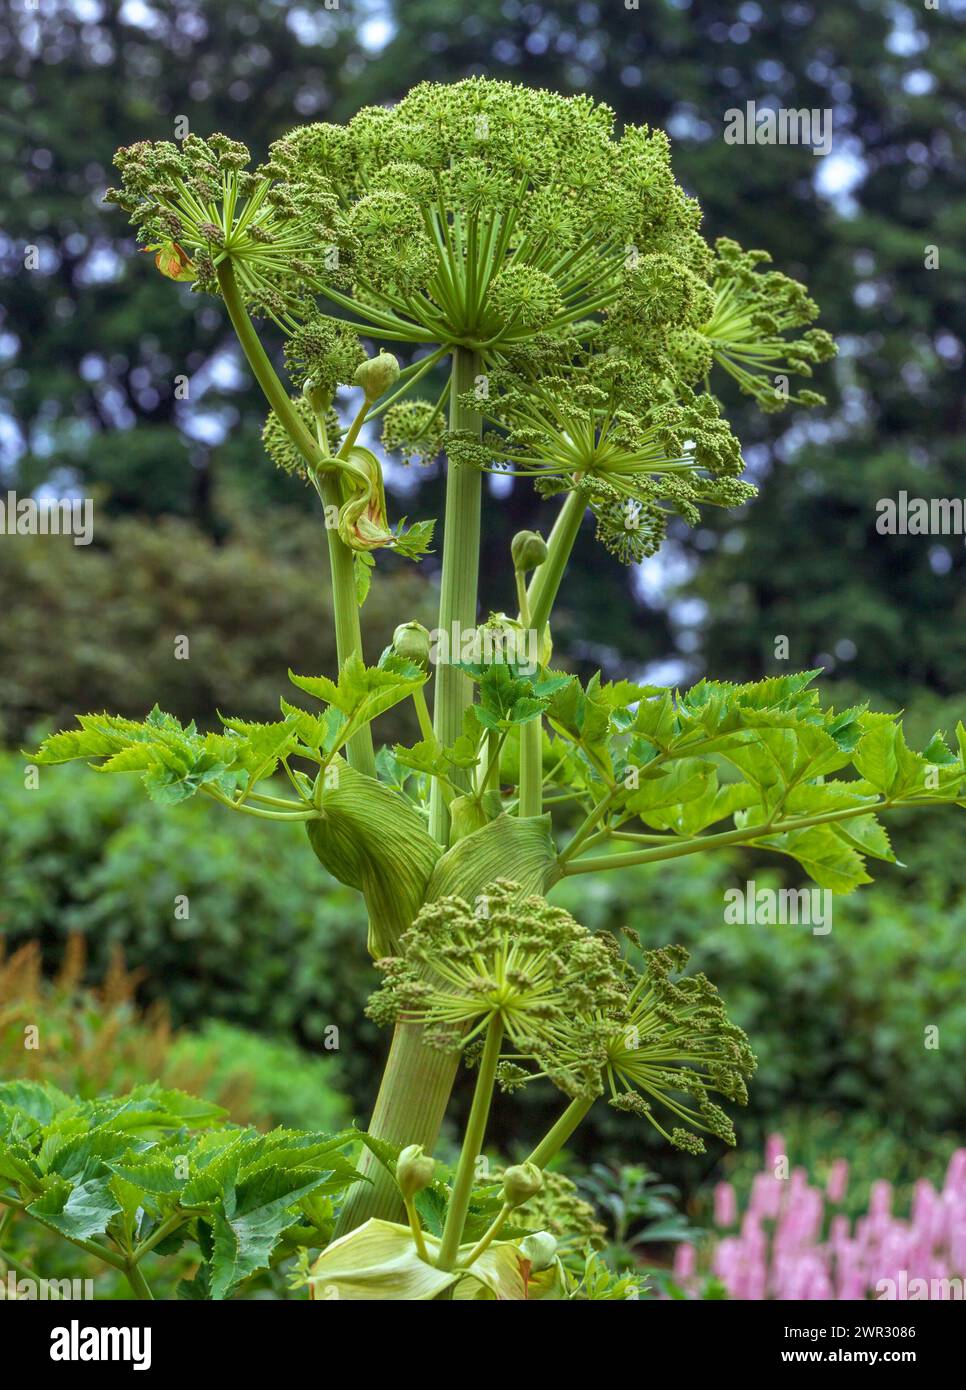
column 824, row 856
column 77, row 1212
column 248, row 1224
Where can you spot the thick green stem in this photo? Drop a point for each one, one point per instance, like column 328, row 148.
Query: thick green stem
column 409, row 1109
column 417, row 1082
column 530, row 801
column 531, row 768
column 472, row 1144
column 458, row 592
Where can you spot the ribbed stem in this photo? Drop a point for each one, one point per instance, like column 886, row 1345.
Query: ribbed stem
column 531, row 734
column 348, row 635
column 417, row 1082
column 458, row 591
column 348, row 631
column 409, row 1109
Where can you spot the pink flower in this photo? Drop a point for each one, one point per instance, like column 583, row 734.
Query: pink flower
column 837, row 1182
column 685, row 1261
column 725, row 1205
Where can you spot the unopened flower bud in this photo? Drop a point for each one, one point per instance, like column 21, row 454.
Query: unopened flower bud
column 529, row 549
column 414, row 1171
column 520, row 1183
column 411, row 641
column 540, row 1249
column 317, row 396
column 377, row 375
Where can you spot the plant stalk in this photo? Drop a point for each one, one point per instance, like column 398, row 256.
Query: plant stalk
column 409, row 1109
column 458, row 591
column 348, row 631
column 555, row 1138
column 530, row 802
column 416, row 1084
column 545, row 583
column 472, row 1144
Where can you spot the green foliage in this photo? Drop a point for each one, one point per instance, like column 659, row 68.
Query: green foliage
column 177, row 761
column 638, row 1210
column 766, row 753
column 122, row 1178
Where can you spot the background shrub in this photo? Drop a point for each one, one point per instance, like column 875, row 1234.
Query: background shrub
column 251, row 607
column 93, row 1039
column 269, row 942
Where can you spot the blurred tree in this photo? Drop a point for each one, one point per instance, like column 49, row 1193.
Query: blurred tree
column 96, row 349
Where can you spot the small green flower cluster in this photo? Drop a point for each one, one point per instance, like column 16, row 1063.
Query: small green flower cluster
column 678, row 1039
column 414, row 429
column 752, row 312
column 559, row 1209
column 199, row 199
column 573, row 1010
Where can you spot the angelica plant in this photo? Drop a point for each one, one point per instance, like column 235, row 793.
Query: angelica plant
column 556, row 272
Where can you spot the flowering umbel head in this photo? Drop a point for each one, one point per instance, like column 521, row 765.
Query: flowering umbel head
column 639, row 447
column 515, row 958
column 476, row 211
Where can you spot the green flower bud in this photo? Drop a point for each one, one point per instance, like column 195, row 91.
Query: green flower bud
column 520, row 1183
column 529, row 549
column 377, row 375
column 318, row 397
column 411, row 642
column 414, row 1171
column 540, row 1249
